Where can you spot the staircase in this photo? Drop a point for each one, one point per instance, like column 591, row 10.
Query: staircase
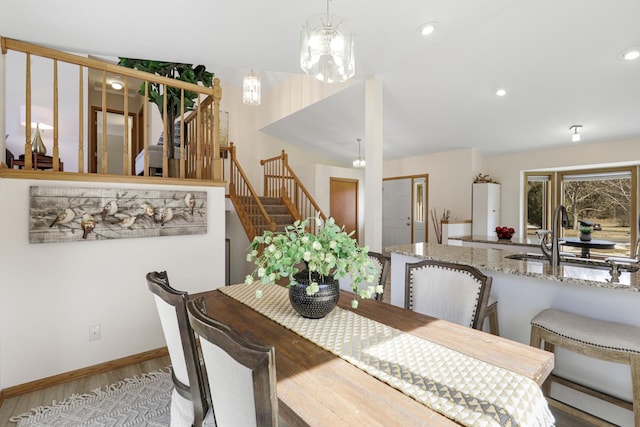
column 278, row 213
column 285, row 199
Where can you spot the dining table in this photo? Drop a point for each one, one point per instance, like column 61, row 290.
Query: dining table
column 315, row 387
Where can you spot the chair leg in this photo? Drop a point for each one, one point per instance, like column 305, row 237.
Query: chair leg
column 536, row 341
column 492, row 315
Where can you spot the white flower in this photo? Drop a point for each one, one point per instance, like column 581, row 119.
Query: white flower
column 249, row 279
column 333, row 244
column 271, row 248
column 354, row 303
column 261, row 272
column 313, row 288
column 379, row 289
column 305, row 239
column 306, row 256
column 317, row 245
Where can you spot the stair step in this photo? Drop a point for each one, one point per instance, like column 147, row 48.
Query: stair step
column 271, row 200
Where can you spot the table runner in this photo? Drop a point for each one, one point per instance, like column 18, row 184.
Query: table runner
column 465, row 389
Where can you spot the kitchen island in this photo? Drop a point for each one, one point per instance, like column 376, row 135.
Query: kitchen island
column 524, row 288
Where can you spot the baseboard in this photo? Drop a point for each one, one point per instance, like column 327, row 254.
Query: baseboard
column 81, row 373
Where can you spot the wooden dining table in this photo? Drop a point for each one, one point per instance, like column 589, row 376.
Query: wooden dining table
column 318, row 388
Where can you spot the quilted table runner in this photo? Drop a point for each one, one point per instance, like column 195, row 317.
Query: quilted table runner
column 465, row 389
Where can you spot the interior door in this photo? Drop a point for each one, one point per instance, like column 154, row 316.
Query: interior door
column 343, row 203
column 396, row 212
column 116, row 128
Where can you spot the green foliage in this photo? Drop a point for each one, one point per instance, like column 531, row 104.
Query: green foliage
column 331, row 251
column 585, row 229
column 535, row 204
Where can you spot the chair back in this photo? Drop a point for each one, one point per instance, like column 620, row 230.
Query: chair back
column 381, row 264
column 187, row 375
column 241, row 373
column 454, row 292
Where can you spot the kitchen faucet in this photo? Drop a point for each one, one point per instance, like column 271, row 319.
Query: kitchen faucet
column 553, row 253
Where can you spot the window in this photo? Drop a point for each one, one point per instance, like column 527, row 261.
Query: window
column 419, row 202
column 604, row 199
column 538, row 188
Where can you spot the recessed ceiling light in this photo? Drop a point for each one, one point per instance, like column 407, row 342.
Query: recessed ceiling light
column 631, row 54
column 501, row 91
column 428, row 28
column 116, row 85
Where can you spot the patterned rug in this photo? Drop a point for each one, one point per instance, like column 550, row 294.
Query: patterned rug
column 133, row 402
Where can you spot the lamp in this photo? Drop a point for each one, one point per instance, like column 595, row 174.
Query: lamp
column 359, row 162
column 40, row 119
column 251, row 89
column 575, row 135
column 326, row 48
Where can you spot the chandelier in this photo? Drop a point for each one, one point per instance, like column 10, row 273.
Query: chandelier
column 359, row 162
column 251, row 89
column 326, row 48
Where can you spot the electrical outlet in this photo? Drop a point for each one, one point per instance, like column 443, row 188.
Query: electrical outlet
column 94, row 332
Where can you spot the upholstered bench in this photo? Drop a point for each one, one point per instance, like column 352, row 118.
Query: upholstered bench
column 599, row 339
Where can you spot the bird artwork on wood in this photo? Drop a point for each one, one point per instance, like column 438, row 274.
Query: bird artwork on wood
column 109, row 209
column 166, row 215
column 63, row 217
column 149, row 211
column 190, row 201
column 127, row 222
column 88, row 223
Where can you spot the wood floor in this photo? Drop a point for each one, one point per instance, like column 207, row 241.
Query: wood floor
column 20, row 404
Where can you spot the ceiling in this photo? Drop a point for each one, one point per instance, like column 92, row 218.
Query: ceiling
column 560, row 60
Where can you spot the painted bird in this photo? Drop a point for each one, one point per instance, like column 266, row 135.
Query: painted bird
column 109, row 209
column 127, row 222
column 190, row 201
column 166, row 215
column 64, row 217
column 88, row 223
column 149, row 211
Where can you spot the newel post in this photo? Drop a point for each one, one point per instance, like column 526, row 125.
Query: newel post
column 283, row 164
column 217, row 96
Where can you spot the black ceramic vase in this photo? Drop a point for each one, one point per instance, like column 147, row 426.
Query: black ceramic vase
column 319, row 304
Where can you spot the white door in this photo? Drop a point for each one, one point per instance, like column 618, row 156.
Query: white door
column 396, row 212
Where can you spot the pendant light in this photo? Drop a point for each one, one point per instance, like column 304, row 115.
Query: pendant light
column 251, row 89
column 326, row 51
column 359, row 162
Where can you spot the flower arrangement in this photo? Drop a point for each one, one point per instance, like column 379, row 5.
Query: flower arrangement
column 329, row 252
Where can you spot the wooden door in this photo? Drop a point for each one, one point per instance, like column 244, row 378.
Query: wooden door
column 343, row 203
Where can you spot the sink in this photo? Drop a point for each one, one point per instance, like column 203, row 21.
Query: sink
column 575, row 261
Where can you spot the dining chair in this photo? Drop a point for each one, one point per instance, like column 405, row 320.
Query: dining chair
column 454, row 292
column 242, row 373
column 189, row 399
column 381, row 264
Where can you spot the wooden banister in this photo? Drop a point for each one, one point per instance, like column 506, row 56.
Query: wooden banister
column 245, row 199
column 281, row 181
column 199, row 146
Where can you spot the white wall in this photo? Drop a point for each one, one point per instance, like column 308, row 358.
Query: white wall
column 52, row 293
column 508, row 168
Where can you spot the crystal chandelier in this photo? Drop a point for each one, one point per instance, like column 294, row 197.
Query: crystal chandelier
column 251, row 89
column 359, row 162
column 326, row 48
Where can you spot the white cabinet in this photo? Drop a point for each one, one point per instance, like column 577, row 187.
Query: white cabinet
column 485, row 209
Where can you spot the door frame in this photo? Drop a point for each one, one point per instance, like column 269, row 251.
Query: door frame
column 426, row 201
column 92, row 166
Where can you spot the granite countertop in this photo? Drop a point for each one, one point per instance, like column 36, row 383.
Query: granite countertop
column 494, row 260
column 515, row 240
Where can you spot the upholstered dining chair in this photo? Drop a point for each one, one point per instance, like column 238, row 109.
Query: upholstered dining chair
column 189, row 399
column 454, row 292
column 381, row 264
column 242, row 373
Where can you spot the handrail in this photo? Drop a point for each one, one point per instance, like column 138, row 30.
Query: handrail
column 245, row 199
column 281, row 181
column 201, row 146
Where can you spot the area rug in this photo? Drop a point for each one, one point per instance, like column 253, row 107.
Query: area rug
column 144, row 400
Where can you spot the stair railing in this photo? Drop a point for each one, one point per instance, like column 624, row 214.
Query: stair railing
column 250, row 209
column 200, row 145
column 281, row 181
